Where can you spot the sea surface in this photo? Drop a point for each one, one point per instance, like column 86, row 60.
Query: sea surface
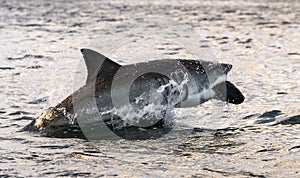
column 41, row 64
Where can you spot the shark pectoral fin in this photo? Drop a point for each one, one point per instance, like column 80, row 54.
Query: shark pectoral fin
column 226, row 91
column 98, row 65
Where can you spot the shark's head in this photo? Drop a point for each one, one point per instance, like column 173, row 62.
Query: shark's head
column 51, row 117
column 209, row 81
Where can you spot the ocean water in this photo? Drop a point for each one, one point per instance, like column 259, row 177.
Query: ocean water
column 41, row 64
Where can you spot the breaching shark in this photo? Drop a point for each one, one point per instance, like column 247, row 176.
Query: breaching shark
column 157, row 85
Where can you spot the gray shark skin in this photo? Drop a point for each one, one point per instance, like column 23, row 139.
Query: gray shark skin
column 187, row 82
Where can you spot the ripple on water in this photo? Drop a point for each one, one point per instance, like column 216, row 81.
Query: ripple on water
column 289, row 120
column 19, row 113
column 26, row 56
column 7, row 68
column 27, row 118
column 38, row 101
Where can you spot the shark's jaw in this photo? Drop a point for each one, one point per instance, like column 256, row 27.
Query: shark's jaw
column 219, row 89
column 195, row 95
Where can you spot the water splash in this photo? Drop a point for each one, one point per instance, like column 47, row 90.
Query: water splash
column 152, row 106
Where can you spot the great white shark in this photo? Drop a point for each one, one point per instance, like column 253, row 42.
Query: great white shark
column 167, row 82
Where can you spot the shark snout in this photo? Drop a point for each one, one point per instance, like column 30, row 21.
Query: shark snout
column 226, row 68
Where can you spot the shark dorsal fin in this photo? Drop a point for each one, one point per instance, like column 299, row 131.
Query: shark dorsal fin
column 97, row 64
